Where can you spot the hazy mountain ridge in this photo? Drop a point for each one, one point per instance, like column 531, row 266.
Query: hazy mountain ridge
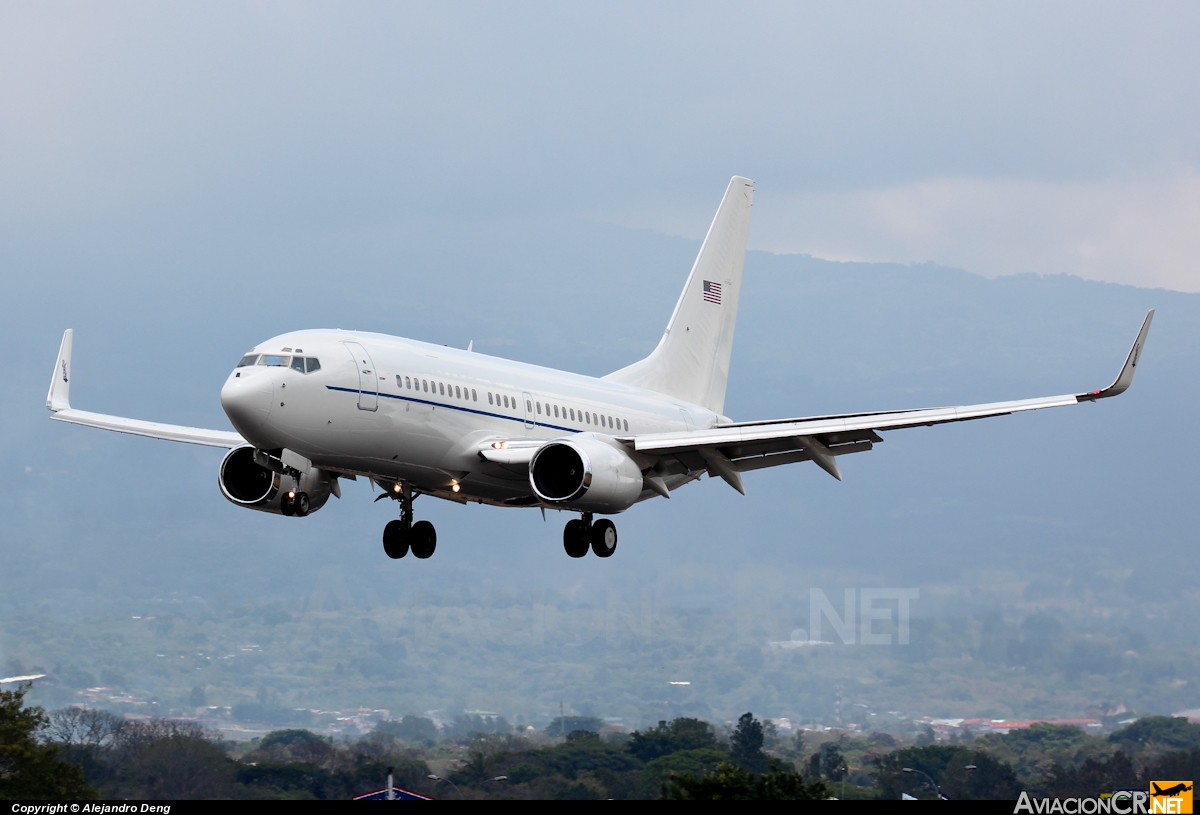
column 97, row 515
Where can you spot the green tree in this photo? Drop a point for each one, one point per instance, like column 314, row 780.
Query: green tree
column 1033, row 750
column 680, row 734
column 948, row 767
column 28, row 768
column 1174, row 732
column 684, row 762
column 1094, row 776
column 746, row 743
column 731, row 783
column 182, row 768
column 833, row 763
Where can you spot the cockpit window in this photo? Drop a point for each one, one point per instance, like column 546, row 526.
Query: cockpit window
column 275, row 360
column 298, row 364
column 314, row 364
column 249, row 359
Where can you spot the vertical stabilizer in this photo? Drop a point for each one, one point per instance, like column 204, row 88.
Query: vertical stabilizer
column 691, row 362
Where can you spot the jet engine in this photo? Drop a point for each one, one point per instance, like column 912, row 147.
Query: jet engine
column 586, row 474
column 256, row 479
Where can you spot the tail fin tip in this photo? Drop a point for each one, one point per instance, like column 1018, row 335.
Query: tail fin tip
column 691, row 361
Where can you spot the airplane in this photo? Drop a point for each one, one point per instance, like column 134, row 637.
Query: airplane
column 312, row 408
column 1170, row 792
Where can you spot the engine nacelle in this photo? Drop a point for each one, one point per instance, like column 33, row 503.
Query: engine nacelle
column 247, row 483
column 585, row 473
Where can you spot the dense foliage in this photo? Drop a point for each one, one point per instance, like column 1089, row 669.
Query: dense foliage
column 75, row 752
column 29, row 768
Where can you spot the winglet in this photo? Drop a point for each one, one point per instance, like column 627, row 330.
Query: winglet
column 1125, row 378
column 59, row 397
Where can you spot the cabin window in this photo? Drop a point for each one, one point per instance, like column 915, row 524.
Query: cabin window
column 474, row 398
column 538, row 405
column 626, row 425
column 249, row 359
column 610, row 421
column 425, row 384
column 457, row 392
column 489, row 397
column 506, row 400
column 408, row 383
column 528, row 406
column 442, row 388
column 572, row 414
column 399, row 381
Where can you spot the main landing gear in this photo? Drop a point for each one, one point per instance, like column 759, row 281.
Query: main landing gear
column 581, row 534
column 402, row 535
column 294, row 502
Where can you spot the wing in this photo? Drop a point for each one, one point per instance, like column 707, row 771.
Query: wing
column 58, row 400
column 731, row 449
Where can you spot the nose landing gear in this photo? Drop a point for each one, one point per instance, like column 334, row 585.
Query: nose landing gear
column 403, row 535
column 581, row 534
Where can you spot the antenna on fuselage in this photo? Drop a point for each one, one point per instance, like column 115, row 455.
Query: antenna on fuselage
column 471, row 345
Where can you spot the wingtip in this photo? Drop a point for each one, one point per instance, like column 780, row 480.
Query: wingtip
column 59, row 396
column 1125, row 377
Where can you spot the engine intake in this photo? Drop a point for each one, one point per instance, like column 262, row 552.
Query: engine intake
column 585, row 473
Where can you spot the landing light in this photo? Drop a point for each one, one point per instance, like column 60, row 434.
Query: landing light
column 396, row 488
column 454, row 488
column 292, row 494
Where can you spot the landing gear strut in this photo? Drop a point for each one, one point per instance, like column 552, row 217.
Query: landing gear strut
column 402, row 535
column 581, row 534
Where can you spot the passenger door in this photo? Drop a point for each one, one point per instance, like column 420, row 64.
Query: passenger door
column 368, row 377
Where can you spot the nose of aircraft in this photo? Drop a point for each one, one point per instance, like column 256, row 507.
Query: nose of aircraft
column 246, row 398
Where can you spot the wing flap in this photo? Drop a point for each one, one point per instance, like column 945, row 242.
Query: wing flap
column 723, row 436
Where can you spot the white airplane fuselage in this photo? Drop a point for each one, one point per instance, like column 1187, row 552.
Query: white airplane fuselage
column 400, row 410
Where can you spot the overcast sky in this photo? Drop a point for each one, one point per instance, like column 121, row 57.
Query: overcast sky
column 1001, row 138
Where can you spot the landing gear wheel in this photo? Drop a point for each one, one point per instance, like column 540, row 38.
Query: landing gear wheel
column 395, row 541
column 423, row 539
column 575, row 538
column 604, row 538
column 286, row 506
column 300, row 504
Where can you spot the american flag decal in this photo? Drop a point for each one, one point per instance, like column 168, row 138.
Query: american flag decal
column 712, row 292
